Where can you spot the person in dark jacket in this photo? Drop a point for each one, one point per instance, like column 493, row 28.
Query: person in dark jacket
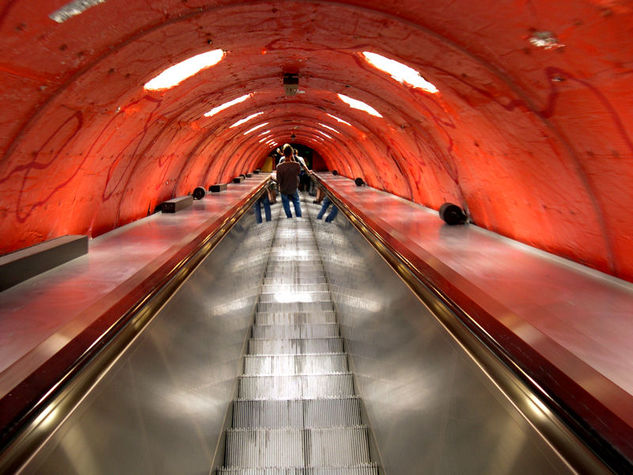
column 288, row 179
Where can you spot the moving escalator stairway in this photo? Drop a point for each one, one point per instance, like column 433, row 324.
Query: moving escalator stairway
column 296, row 410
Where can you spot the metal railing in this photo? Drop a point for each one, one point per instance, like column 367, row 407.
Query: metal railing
column 31, row 426
column 582, row 448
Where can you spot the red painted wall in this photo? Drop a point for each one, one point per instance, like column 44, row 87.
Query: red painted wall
column 537, row 143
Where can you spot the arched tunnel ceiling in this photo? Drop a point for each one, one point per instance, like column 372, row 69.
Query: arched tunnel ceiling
column 530, row 130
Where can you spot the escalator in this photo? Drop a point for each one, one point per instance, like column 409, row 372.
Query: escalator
column 293, row 348
column 296, row 411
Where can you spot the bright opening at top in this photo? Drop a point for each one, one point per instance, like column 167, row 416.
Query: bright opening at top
column 176, row 74
column 399, row 72
column 360, row 105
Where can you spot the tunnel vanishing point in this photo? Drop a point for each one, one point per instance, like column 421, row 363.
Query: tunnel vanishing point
column 526, row 121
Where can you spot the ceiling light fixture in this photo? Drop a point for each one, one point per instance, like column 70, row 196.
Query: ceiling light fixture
column 74, row 8
column 339, row 120
column 328, row 127
column 400, row 72
column 255, row 128
column 226, row 105
column 246, row 119
column 177, row 73
column 360, row 105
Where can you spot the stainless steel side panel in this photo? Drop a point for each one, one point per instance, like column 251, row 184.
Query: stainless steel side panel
column 161, row 407
column 430, row 407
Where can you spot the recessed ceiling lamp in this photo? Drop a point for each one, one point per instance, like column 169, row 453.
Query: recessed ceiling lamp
column 399, row 72
column 77, row 7
column 339, row 120
column 360, row 105
column 264, row 133
column 255, row 128
column 328, row 127
column 246, row 119
column 177, row 73
column 265, row 139
column 326, row 135
column 226, row 105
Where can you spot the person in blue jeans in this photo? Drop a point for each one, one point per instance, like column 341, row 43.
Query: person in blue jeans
column 333, row 212
column 263, row 201
column 288, row 179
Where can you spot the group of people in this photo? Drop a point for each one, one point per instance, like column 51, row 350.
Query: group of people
column 289, row 170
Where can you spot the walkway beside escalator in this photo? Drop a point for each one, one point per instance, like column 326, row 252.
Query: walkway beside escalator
column 567, row 325
column 296, row 410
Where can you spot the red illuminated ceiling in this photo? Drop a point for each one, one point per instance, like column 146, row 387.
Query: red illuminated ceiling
column 531, row 129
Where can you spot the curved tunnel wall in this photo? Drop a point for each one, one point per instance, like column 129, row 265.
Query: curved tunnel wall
column 531, row 129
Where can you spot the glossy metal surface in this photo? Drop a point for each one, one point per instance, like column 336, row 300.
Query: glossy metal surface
column 430, row 406
column 161, row 407
column 296, row 411
column 39, row 316
column 567, row 325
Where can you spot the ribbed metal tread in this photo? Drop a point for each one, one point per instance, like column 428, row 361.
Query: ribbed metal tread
column 277, row 280
column 365, row 469
column 295, row 364
column 297, row 346
column 320, row 330
column 327, row 447
column 284, row 296
column 297, row 413
column 313, row 386
column 294, row 318
column 322, row 287
column 294, row 306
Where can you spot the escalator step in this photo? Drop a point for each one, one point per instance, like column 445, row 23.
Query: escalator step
column 322, row 287
column 296, row 346
column 296, row 387
column 332, row 447
column 324, row 330
column 316, row 330
column 369, row 469
column 298, row 413
column 294, row 318
column 295, row 364
column 287, row 296
column 295, row 306
column 303, row 279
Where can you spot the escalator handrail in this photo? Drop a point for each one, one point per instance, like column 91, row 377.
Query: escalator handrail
column 33, row 424
column 580, row 446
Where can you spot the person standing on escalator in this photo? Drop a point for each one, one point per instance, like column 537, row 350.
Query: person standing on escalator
column 288, row 179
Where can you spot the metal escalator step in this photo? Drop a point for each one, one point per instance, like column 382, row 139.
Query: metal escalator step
column 331, row 447
column 365, row 469
column 299, row 254
column 281, row 279
column 294, row 266
column 294, row 318
column 321, row 330
column 297, row 413
column 286, row 295
column 264, row 448
column 295, row 364
column 310, row 287
column 335, row 447
column 313, row 386
column 295, row 346
column 295, row 306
